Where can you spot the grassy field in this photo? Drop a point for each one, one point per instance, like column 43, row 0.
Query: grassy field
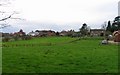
column 59, row 55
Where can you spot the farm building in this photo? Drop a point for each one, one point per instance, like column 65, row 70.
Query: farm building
column 116, row 35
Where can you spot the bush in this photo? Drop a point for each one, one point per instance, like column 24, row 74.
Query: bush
column 5, row 39
column 16, row 38
column 26, row 37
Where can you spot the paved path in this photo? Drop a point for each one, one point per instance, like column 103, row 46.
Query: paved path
column 112, row 42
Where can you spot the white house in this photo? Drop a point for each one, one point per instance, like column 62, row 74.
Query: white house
column 33, row 33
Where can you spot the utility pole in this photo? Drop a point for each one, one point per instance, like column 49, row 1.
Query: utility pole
column 119, row 8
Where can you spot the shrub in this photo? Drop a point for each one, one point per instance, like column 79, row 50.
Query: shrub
column 5, row 39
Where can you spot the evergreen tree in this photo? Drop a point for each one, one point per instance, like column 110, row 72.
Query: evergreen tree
column 109, row 27
column 116, row 24
column 115, row 27
column 57, row 33
column 83, row 29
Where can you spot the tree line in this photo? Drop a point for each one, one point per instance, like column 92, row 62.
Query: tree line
column 109, row 29
column 114, row 26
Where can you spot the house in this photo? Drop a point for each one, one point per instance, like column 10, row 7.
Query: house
column 20, row 33
column 6, row 35
column 116, row 35
column 33, row 34
column 63, row 33
column 97, row 32
column 46, row 33
column 67, row 33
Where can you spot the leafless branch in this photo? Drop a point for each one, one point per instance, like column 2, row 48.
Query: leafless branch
column 17, row 18
column 4, row 25
column 10, row 16
column 4, row 3
column 6, row 18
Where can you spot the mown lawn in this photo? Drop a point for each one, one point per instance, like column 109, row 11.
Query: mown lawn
column 59, row 55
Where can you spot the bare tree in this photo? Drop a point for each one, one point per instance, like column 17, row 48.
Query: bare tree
column 104, row 26
column 4, row 3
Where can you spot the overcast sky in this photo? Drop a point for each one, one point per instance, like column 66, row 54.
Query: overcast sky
column 61, row 14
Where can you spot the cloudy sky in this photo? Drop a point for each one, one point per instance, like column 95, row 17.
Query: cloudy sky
column 60, row 14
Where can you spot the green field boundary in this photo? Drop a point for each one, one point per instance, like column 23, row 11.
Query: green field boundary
column 4, row 45
column 38, row 44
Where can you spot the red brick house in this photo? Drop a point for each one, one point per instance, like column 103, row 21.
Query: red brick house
column 20, row 33
column 46, row 33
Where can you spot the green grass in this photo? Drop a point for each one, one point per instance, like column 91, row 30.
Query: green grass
column 42, row 40
column 62, row 56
